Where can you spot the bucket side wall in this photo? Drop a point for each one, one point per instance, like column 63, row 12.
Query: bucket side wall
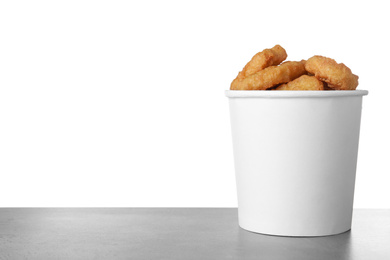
column 295, row 162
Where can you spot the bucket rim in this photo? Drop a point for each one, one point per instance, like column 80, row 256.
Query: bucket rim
column 293, row 94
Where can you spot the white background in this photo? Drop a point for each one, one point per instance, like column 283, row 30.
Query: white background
column 121, row 103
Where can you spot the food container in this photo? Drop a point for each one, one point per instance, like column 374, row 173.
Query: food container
column 295, row 156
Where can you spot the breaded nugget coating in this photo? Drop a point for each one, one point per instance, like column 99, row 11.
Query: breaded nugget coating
column 337, row 75
column 304, row 82
column 262, row 60
column 271, row 76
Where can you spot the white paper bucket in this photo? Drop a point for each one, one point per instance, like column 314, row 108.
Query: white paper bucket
column 295, row 158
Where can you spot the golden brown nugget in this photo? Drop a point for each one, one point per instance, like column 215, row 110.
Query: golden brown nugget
column 272, row 76
column 262, row 60
column 304, row 82
column 326, row 87
column 337, row 75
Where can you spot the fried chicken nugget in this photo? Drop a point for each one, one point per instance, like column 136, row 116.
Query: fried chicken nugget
column 262, row 60
column 304, row 82
column 272, row 76
column 337, row 75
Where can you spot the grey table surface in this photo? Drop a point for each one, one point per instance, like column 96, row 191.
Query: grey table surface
column 175, row 233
